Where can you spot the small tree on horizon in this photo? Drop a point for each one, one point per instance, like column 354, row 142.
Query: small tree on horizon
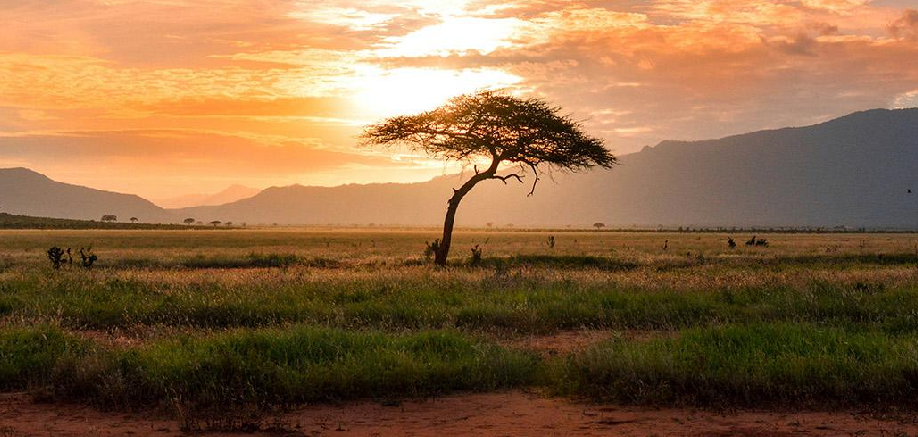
column 134, row 219
column 599, row 225
column 528, row 134
column 188, row 221
column 215, row 223
column 109, row 218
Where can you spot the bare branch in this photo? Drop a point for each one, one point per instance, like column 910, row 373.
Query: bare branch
column 509, row 176
column 535, row 171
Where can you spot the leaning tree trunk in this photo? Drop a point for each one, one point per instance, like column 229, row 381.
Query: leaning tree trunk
column 451, row 208
column 443, row 249
column 453, row 205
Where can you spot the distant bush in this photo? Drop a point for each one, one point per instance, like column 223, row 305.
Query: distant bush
column 11, row 221
column 56, row 256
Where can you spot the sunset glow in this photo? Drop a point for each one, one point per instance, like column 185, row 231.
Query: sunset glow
column 385, row 93
column 207, row 93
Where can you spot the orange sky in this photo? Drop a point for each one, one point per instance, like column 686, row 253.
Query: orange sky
column 168, row 97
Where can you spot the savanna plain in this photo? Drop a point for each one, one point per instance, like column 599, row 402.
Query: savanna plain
column 336, row 331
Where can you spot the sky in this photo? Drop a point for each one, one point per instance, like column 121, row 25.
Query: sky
column 169, row 97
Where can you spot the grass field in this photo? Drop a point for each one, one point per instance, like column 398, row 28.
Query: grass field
column 280, row 317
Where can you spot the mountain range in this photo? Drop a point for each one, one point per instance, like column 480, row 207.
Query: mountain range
column 859, row 170
column 233, row 193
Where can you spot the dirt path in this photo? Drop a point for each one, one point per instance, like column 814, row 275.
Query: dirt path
column 568, row 342
column 507, row 413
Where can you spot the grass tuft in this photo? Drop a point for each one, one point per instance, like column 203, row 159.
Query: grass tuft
column 749, row 365
column 261, row 367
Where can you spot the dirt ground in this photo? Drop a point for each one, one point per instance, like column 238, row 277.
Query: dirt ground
column 511, row 413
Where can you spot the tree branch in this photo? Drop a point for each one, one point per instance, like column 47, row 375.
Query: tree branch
column 535, row 171
column 509, row 176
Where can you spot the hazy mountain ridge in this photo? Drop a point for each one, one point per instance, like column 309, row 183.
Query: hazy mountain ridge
column 230, row 194
column 855, row 170
column 26, row 192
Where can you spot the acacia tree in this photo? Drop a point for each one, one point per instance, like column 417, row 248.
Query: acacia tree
column 528, row 135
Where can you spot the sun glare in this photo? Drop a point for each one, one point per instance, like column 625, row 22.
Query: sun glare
column 453, row 36
column 384, row 93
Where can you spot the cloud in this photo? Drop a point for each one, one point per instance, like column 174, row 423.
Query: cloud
column 261, row 87
column 906, row 27
column 181, row 152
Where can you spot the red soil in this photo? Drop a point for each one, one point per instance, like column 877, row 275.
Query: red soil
column 506, row 413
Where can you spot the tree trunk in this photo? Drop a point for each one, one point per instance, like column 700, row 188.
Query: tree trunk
column 445, row 242
column 453, row 205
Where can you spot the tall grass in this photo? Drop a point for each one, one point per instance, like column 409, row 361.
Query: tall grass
column 276, row 317
column 270, row 366
column 749, row 365
column 754, row 365
column 27, row 355
column 523, row 303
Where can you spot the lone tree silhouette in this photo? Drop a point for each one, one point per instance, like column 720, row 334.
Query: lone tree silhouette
column 134, row 219
column 188, row 221
column 529, row 134
column 109, row 218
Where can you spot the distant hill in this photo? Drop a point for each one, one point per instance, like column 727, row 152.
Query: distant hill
column 23, row 191
column 853, row 171
column 233, row 193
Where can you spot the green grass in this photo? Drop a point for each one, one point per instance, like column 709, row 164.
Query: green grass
column 271, row 366
column 27, row 355
column 262, row 317
column 252, row 260
column 755, row 365
column 752, row 365
column 514, row 303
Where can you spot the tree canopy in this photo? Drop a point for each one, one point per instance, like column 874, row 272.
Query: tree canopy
column 528, row 135
column 493, row 125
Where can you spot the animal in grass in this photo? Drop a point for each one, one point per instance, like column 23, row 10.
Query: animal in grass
column 751, row 241
column 761, row 242
column 476, row 255
column 731, row 242
column 69, row 257
column 666, row 245
column 87, row 257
